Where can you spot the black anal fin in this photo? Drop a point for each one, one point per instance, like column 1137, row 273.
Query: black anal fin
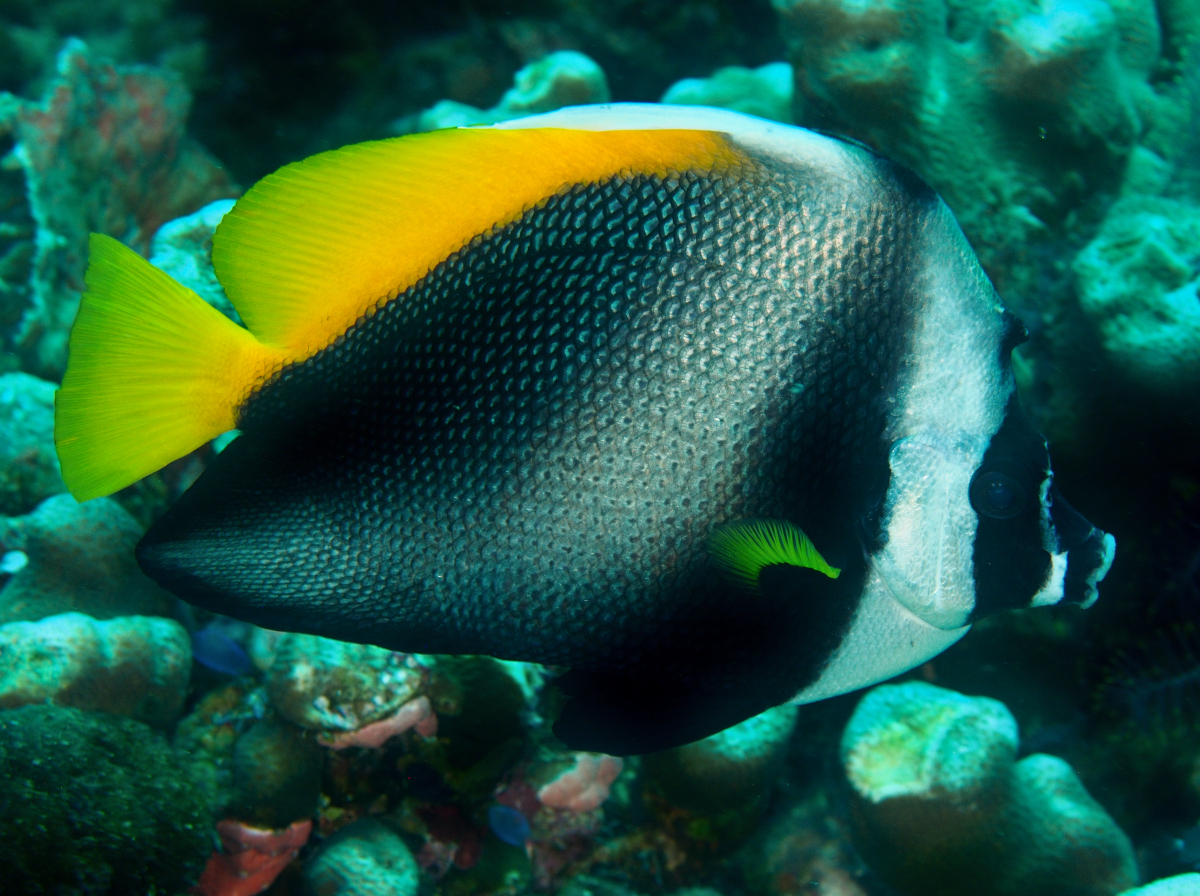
column 625, row 715
column 729, row 659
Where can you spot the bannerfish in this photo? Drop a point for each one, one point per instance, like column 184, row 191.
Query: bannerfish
column 714, row 411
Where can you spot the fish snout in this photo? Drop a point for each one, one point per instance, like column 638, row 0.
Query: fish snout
column 1089, row 551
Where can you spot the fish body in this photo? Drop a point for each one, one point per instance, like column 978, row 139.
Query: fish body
column 523, row 401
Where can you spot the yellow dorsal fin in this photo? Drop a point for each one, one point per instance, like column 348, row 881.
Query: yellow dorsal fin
column 313, row 247
column 743, row 550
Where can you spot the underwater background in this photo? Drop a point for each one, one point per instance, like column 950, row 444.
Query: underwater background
column 146, row 747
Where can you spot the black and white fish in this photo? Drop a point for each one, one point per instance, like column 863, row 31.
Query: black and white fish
column 715, row 411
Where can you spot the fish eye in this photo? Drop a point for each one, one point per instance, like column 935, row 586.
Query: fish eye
column 996, row 495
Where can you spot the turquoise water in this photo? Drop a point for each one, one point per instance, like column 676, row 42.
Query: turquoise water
column 149, row 745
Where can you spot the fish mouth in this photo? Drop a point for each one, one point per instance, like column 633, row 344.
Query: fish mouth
column 1089, row 551
column 1087, row 565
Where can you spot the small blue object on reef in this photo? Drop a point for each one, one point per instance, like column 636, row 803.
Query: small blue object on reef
column 509, row 825
column 213, row 648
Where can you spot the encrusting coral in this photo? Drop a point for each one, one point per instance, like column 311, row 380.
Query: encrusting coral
column 1139, row 285
column 93, row 804
column 1015, row 112
column 365, row 858
column 29, row 470
column 354, row 694
column 564, row 78
column 106, row 152
column 78, row 557
column 942, row 807
column 135, row 666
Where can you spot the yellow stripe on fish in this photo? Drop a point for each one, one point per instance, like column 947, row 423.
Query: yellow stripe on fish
column 154, row 372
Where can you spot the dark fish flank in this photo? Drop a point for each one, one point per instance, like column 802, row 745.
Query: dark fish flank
column 524, row 454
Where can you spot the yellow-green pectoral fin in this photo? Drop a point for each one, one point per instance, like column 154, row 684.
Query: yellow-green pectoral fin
column 153, row 373
column 743, row 550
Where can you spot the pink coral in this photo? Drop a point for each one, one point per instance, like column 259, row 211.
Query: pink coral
column 584, row 787
column 416, row 714
column 252, row 859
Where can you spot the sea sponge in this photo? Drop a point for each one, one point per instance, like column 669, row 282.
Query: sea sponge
column 941, row 807
column 1138, row 283
column 1015, row 112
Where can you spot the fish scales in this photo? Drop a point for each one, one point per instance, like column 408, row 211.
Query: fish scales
column 715, row 435
column 576, row 373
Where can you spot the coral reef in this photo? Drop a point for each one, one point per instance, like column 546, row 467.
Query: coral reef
column 79, row 559
column 480, row 708
column 723, row 782
column 336, row 74
column 561, row 797
column 766, row 91
column 209, row 734
column 338, row 688
column 106, row 152
column 1015, row 113
column 28, row 465
column 804, row 849
column 565, row 78
column 365, row 858
column 1066, row 136
column 942, row 807
column 584, row 786
column 124, row 30
column 131, row 666
column 276, row 775
column 1137, row 283
column 251, row 857
column 183, row 248
column 1180, row 885
column 95, row 804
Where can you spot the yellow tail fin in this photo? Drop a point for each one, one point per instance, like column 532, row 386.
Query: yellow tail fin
column 153, row 373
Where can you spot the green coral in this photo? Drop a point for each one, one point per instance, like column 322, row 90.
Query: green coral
column 95, row 804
